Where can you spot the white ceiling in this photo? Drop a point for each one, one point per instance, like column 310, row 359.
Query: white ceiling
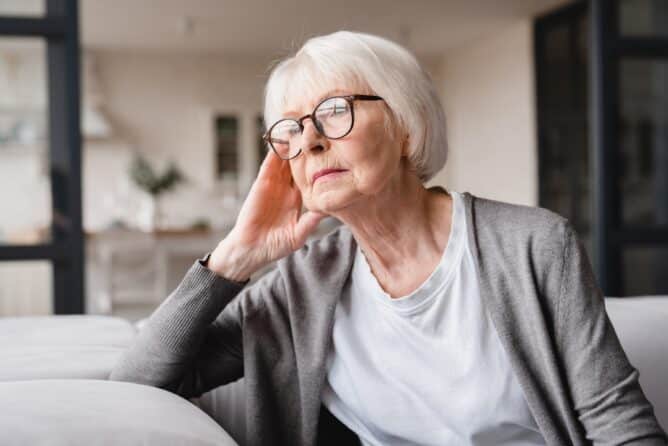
column 268, row 28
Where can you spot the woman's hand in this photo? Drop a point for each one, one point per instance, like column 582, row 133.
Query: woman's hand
column 269, row 226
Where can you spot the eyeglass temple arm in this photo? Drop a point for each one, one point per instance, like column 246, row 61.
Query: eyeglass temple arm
column 366, row 97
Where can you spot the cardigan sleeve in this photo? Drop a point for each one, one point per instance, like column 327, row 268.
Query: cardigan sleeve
column 603, row 384
column 192, row 342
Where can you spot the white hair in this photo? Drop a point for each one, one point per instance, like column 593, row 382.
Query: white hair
column 366, row 61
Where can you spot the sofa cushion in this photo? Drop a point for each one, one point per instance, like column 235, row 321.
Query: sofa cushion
column 68, row 346
column 95, row 412
column 640, row 323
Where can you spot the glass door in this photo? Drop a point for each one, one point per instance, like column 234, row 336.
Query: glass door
column 630, row 143
column 602, row 108
column 41, row 239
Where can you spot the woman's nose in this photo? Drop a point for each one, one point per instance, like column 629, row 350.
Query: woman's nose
column 312, row 139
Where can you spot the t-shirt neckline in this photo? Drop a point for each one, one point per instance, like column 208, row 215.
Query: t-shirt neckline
column 366, row 283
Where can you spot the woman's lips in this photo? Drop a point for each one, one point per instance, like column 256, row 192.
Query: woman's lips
column 326, row 173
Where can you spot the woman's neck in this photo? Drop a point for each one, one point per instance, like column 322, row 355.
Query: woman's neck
column 402, row 231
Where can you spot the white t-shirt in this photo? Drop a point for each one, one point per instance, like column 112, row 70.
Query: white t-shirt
column 426, row 368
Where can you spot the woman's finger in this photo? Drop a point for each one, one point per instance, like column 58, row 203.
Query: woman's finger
column 271, row 161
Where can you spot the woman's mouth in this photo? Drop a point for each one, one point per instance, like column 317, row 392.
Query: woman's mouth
column 326, row 174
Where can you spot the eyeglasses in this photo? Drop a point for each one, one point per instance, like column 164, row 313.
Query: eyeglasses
column 333, row 118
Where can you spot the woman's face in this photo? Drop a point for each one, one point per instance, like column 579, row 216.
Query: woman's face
column 369, row 155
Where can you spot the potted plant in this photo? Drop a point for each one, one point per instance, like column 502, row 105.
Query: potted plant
column 154, row 185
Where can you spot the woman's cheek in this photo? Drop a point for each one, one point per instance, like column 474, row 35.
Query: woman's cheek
column 303, row 186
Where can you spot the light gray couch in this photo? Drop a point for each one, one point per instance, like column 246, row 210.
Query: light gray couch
column 52, row 387
column 54, row 390
column 642, row 326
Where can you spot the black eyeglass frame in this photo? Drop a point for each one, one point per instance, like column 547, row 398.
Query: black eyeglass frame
column 300, row 122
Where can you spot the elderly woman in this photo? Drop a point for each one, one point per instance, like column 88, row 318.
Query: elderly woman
column 428, row 317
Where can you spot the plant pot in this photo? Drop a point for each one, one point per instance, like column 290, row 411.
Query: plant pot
column 151, row 215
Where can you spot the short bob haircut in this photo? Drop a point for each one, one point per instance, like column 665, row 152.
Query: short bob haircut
column 376, row 66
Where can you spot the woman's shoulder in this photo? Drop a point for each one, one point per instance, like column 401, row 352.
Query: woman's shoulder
column 514, row 214
column 513, row 219
column 513, row 239
column 516, row 229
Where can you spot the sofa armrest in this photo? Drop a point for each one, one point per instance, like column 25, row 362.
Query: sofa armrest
column 67, row 346
column 98, row 413
column 640, row 323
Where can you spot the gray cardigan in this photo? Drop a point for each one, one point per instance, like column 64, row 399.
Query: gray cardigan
column 535, row 280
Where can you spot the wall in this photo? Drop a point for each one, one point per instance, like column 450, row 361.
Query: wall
column 162, row 106
column 487, row 89
column 161, row 103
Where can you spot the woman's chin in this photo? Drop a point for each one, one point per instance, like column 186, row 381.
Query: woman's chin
column 330, row 201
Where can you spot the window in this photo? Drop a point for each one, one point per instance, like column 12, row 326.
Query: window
column 40, row 144
column 25, row 180
column 603, row 146
column 643, row 142
column 643, row 17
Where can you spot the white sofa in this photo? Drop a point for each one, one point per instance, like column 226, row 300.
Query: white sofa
column 641, row 324
column 53, row 369
column 54, row 389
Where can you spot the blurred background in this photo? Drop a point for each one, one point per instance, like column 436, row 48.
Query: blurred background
column 130, row 130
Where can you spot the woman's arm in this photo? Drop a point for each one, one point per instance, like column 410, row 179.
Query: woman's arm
column 602, row 383
column 189, row 344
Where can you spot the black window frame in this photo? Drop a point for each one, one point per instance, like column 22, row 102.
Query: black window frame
column 59, row 27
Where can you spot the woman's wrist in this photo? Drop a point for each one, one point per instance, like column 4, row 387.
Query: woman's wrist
column 232, row 262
